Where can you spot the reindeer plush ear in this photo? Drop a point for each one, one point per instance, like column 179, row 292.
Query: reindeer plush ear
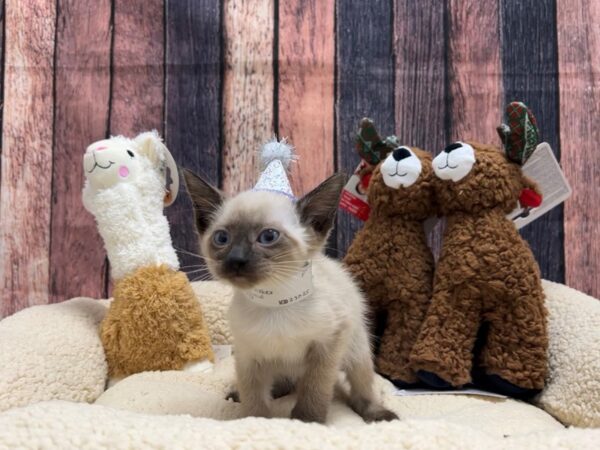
column 151, row 145
column 520, row 135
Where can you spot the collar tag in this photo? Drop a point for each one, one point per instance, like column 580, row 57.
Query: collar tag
column 293, row 289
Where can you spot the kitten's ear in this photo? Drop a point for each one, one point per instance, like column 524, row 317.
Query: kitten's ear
column 317, row 208
column 205, row 199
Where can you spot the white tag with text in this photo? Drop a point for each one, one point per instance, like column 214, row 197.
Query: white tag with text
column 543, row 168
column 414, row 392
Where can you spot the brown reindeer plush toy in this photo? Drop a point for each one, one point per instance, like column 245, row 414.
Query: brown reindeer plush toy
column 389, row 257
column 487, row 311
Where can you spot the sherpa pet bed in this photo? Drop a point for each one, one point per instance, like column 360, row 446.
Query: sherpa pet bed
column 53, row 378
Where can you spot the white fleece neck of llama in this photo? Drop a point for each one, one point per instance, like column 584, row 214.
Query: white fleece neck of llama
column 131, row 221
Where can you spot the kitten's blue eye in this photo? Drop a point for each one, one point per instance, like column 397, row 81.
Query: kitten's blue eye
column 220, row 238
column 268, row 236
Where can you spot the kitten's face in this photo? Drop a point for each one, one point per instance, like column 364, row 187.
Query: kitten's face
column 255, row 236
column 258, row 235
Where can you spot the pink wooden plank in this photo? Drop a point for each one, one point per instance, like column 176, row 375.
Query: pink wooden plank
column 247, row 88
column 26, row 160
column 77, row 258
column 474, row 70
column 138, row 67
column 306, row 97
column 579, row 83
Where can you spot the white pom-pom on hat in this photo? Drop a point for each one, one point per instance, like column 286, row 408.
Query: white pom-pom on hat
column 275, row 159
column 277, row 150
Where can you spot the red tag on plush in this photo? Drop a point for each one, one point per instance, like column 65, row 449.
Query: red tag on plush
column 530, row 198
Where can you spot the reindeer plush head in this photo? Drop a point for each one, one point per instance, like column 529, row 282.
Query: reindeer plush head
column 473, row 177
column 400, row 176
column 110, row 162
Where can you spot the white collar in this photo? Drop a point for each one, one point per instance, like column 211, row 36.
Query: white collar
column 276, row 294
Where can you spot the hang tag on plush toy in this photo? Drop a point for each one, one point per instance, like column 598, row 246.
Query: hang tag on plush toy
column 171, row 178
column 354, row 194
column 543, row 168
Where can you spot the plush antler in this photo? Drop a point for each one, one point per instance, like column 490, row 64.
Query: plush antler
column 369, row 145
column 521, row 135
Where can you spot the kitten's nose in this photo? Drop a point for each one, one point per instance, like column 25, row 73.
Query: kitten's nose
column 237, row 259
column 400, row 153
column 454, row 146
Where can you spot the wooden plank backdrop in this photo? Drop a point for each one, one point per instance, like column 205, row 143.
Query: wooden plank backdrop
column 219, row 77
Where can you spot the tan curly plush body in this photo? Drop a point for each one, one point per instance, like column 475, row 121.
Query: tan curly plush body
column 392, row 263
column 138, row 332
column 486, row 277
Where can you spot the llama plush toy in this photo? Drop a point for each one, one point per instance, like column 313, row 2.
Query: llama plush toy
column 155, row 321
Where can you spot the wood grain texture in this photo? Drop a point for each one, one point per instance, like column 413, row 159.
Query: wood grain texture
column 579, row 66
column 82, row 79
column 306, row 85
column 530, row 75
column 137, row 100
column 193, row 106
column 365, row 86
column 474, row 70
column 420, row 81
column 26, row 172
column 248, row 88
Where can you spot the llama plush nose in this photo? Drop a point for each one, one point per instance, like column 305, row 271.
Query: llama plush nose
column 400, row 153
column 454, row 146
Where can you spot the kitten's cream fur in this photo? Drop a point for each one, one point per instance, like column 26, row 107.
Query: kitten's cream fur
column 307, row 342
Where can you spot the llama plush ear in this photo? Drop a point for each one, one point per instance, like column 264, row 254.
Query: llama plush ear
column 151, row 145
column 520, row 135
column 205, row 199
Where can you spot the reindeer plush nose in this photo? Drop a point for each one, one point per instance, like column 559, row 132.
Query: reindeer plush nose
column 401, row 153
column 454, row 146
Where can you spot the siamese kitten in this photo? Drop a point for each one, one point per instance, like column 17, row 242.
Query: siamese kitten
column 291, row 323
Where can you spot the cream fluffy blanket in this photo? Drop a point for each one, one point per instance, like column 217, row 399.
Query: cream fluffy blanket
column 51, row 354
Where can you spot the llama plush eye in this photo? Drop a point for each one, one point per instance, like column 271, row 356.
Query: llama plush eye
column 130, row 153
column 221, row 238
column 268, row 236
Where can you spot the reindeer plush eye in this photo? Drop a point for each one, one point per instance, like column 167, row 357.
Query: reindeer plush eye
column 130, row 153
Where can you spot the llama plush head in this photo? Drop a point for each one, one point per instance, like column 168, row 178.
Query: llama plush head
column 110, row 162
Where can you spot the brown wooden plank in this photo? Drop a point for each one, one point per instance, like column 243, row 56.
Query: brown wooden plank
column 579, row 65
column 420, row 80
column 26, row 173
column 248, row 88
column 474, row 70
column 306, row 78
column 77, row 257
column 193, row 107
column 137, row 100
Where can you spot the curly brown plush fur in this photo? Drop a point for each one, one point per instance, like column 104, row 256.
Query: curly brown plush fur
column 392, row 263
column 486, row 274
column 154, row 323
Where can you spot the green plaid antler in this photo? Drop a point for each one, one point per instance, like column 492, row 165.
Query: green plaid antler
column 521, row 135
column 369, row 144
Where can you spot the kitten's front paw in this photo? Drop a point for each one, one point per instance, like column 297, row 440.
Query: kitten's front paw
column 380, row 414
column 307, row 415
column 256, row 411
